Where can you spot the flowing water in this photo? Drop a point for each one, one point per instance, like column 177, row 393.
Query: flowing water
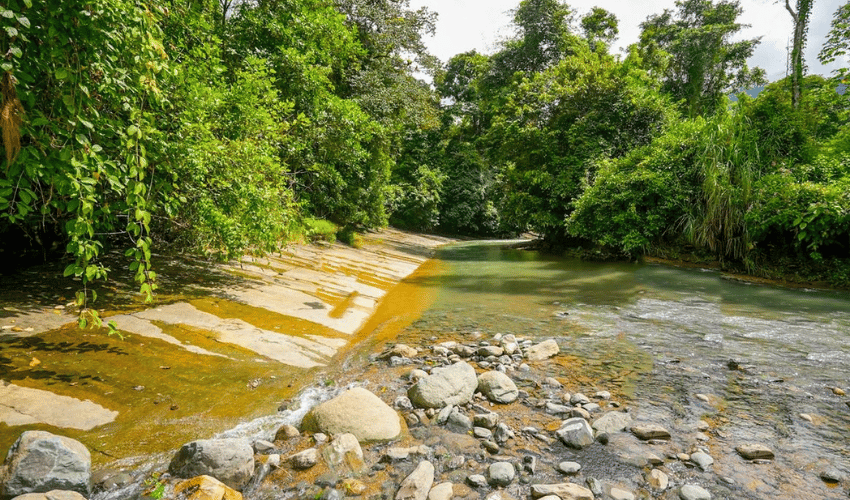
column 758, row 356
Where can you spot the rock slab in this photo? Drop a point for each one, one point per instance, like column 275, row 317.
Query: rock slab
column 52, row 495
column 356, row 411
column 452, row 385
column 40, row 462
column 230, row 461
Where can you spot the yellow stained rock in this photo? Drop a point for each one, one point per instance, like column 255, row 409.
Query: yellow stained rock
column 205, row 488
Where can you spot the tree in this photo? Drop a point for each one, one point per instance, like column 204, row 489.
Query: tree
column 801, row 27
column 599, row 26
column 704, row 63
column 838, row 41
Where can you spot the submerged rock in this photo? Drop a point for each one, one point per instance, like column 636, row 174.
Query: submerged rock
column 356, row 411
column 451, row 385
column 611, row 422
column 231, row 461
column 40, row 462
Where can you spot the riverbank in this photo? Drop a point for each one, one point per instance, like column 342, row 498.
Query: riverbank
column 222, row 344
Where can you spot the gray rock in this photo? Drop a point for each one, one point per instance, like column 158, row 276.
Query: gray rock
column 52, row 495
column 702, row 459
column 542, row 351
column 564, row 491
column 503, row 433
column 579, row 399
column 569, row 467
column 497, row 387
column 591, row 407
column 556, row 409
column 442, row 491
column 501, row 474
column 575, row 432
column 443, row 414
column 755, row 451
column 305, row 459
column 552, row 382
column 491, row 447
column 603, row 395
column 344, row 454
column 451, row 385
column 612, row 421
column 263, row 447
column 458, row 422
column 832, row 475
column 693, row 492
column 486, row 420
column 356, row 411
column 286, row 432
column 482, row 433
column 231, row 461
column 463, row 351
column 476, row 481
column 402, row 403
column 490, row 350
column 578, row 411
column 417, row 485
column 650, row 431
column 40, row 462
column 595, row 486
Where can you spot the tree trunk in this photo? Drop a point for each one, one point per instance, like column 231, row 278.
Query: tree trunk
column 801, row 21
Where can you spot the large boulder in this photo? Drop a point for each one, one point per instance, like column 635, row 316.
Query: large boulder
column 451, row 385
column 356, row 411
column 40, row 462
column 497, row 387
column 231, row 461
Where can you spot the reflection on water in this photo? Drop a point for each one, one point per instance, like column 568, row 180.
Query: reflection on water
column 662, row 335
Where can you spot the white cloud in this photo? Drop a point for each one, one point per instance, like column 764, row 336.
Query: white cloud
column 464, row 25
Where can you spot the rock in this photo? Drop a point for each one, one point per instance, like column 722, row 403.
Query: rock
column 476, row 481
column 595, row 486
column 503, row 433
column 344, row 452
column 579, row 399
column 693, row 492
column 356, row 411
column 490, row 350
column 552, row 382
column 52, row 495
column 604, row 395
column 529, row 463
column 497, row 387
column 653, row 459
column 620, row 494
column 612, row 421
column 320, row 438
column 286, row 432
column 353, row 487
column 451, row 385
column 556, row 409
column 575, row 432
column 491, row 447
column 602, row 438
column 417, row 374
column 205, row 488
column 482, row 433
column 442, row 491
column 402, row 403
column 304, row 460
column 578, row 411
column 501, row 474
column 542, row 351
column 263, row 447
column 702, row 459
column 755, row 451
column 417, row 485
column 657, row 480
column 838, row 391
column 40, row 462
column 591, row 407
column 486, row 420
column 564, row 491
column 569, row 467
column 458, row 422
column 107, row 479
column 650, row 431
column 832, row 475
column 399, row 351
column 231, row 461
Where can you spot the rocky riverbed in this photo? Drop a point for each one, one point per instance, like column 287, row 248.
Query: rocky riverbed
column 471, row 419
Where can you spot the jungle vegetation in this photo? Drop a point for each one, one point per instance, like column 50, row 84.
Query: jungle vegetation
column 225, row 127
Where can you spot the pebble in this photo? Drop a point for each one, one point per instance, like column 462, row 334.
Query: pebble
column 579, row 399
column 702, row 459
column 653, row 459
column 621, row 494
column 501, row 473
column 703, row 398
column 832, row 475
column 755, row 451
column 838, row 391
column 477, row 481
column 482, row 433
column 806, row 417
column 486, row 420
column 650, row 431
column 657, row 479
column 703, row 426
column 603, row 395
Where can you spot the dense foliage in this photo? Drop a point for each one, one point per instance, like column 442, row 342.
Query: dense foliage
column 227, row 127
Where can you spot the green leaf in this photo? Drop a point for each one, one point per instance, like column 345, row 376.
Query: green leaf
column 71, row 269
column 7, row 13
column 61, row 73
column 12, row 32
column 6, row 66
column 24, row 21
column 83, row 140
column 28, row 3
column 16, row 51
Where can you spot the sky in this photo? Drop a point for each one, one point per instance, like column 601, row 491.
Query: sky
column 464, row 25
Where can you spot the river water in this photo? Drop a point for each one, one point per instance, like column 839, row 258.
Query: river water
column 676, row 345
column 680, row 345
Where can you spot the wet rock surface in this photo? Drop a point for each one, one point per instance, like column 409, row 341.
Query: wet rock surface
column 40, row 462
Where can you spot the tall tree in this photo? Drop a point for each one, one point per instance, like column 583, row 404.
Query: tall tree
column 599, row 26
column 704, row 63
column 801, row 28
column 838, row 40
